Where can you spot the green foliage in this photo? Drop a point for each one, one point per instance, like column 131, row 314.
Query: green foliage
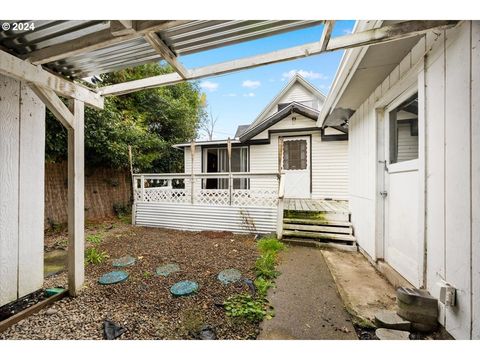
column 147, row 274
column 262, row 285
column 150, row 121
column 265, row 266
column 94, row 238
column 121, row 210
column 270, row 244
column 246, row 307
column 95, row 256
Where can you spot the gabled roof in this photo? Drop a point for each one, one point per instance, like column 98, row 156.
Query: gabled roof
column 293, row 107
column 296, row 78
column 240, row 130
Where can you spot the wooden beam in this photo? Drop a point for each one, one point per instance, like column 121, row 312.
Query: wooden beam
column 327, row 32
column 160, row 47
column 122, row 27
column 370, row 37
column 21, row 70
column 55, row 105
column 97, row 40
column 76, row 242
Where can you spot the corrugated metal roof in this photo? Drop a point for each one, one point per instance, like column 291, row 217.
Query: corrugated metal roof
column 186, row 38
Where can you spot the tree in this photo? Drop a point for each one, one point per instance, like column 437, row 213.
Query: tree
column 151, row 121
column 208, row 124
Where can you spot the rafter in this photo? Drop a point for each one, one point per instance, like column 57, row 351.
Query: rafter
column 161, row 48
column 122, row 27
column 370, row 37
column 21, row 70
column 327, row 32
column 97, row 40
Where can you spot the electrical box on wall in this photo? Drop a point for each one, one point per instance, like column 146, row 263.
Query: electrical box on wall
column 447, row 294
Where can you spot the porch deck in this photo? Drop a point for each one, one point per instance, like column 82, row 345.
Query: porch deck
column 336, row 206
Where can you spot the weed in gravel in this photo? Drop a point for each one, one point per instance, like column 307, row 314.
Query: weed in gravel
column 262, row 285
column 95, row 238
column 270, row 244
column 95, row 256
column 147, row 274
column 246, row 307
column 265, row 266
column 192, row 321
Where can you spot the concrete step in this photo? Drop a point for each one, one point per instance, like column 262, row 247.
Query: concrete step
column 391, row 320
column 390, row 334
column 319, row 228
column 316, row 222
column 319, row 235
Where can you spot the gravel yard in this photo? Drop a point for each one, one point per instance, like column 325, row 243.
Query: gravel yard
column 143, row 304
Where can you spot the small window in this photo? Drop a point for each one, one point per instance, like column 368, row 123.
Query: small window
column 295, row 155
column 404, row 131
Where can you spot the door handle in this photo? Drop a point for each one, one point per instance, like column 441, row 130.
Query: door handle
column 383, row 193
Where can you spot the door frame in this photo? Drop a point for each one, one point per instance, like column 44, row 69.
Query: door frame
column 413, row 81
column 280, row 155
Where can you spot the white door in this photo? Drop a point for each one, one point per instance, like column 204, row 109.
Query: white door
column 296, row 166
column 402, row 240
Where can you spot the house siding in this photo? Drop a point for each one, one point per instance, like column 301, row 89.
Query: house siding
column 451, row 167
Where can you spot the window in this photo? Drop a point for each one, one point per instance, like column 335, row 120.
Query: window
column 295, row 155
column 216, row 160
column 403, row 129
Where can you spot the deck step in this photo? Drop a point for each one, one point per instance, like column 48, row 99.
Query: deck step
column 316, row 222
column 317, row 215
column 318, row 244
column 319, row 235
column 318, row 228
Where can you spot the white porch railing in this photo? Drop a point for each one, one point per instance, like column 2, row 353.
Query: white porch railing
column 235, row 189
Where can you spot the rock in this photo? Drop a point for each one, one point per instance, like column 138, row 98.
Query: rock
column 207, row 333
column 424, row 328
column 124, row 261
column 229, row 276
column 51, row 311
column 390, row 334
column 417, row 297
column 184, row 288
column 416, row 315
column 391, row 320
column 167, row 269
column 113, row 277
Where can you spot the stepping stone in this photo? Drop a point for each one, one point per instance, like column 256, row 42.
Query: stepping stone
column 113, row 277
column 229, row 276
column 184, row 288
column 425, row 328
column 124, row 261
column 390, row 320
column 390, row 334
column 167, row 269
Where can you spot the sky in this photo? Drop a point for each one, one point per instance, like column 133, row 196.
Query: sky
column 237, row 98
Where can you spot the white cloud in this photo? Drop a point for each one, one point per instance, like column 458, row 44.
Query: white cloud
column 230, row 95
column 250, row 94
column 251, row 84
column 304, row 73
column 209, row 85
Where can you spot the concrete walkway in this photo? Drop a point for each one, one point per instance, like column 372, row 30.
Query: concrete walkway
column 307, row 304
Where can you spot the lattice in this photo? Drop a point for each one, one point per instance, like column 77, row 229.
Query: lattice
column 212, row 197
column 175, row 196
column 258, row 197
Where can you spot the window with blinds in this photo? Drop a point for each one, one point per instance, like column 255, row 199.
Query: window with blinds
column 295, row 155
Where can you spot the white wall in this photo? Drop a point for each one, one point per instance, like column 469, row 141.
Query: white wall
column 22, row 146
column 451, row 164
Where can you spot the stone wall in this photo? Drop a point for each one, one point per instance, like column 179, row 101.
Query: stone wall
column 104, row 188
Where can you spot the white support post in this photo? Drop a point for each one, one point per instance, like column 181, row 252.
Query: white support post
column 230, row 178
column 280, row 206
column 192, row 175
column 76, row 246
column 142, row 185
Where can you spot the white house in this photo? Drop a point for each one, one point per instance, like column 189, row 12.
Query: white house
column 414, row 161
column 283, row 138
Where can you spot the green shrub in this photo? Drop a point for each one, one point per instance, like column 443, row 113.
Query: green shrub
column 245, row 307
column 270, row 244
column 94, row 238
column 95, row 256
column 262, row 285
column 265, row 266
